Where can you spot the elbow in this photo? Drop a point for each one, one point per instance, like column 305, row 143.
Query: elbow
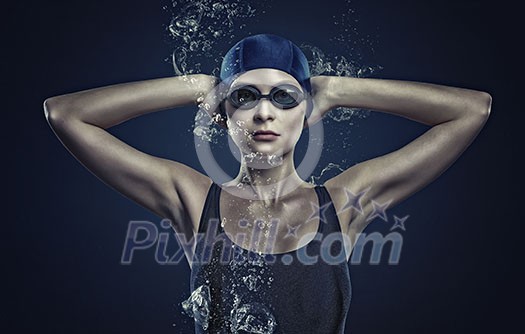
column 53, row 112
column 47, row 108
column 478, row 107
column 485, row 104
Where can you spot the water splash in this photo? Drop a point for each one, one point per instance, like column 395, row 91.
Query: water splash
column 205, row 127
column 199, row 29
column 198, row 305
column 354, row 45
column 253, row 318
column 351, row 64
column 314, row 180
column 323, row 64
column 250, row 272
column 359, row 43
column 198, row 26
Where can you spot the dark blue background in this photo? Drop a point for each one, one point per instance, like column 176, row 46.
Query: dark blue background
column 64, row 229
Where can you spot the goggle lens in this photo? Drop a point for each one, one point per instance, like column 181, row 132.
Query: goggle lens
column 283, row 97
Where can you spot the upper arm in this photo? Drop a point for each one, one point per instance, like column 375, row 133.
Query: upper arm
column 395, row 176
column 160, row 185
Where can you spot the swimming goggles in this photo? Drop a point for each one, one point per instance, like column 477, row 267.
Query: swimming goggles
column 283, row 97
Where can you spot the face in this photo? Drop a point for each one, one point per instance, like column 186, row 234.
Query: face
column 245, row 122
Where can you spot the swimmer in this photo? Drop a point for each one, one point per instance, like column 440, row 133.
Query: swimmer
column 265, row 97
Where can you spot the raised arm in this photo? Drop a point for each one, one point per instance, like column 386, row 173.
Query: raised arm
column 456, row 116
column 80, row 119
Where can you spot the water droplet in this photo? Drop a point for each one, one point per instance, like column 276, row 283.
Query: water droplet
column 275, row 160
column 251, row 282
column 217, row 6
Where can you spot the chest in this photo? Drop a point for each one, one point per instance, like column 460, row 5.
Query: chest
column 281, row 227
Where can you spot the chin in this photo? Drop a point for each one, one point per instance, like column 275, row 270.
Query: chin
column 272, row 148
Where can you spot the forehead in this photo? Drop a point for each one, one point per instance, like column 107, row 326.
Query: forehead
column 265, row 77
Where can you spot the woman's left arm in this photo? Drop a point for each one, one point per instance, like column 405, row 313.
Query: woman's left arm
column 456, row 116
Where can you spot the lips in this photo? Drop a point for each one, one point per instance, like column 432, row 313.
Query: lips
column 265, row 135
column 265, row 132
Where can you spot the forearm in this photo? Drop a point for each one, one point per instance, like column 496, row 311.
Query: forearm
column 422, row 102
column 111, row 105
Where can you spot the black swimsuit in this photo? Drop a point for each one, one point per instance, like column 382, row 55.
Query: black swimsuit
column 234, row 290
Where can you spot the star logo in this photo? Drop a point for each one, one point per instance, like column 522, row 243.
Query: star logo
column 379, row 210
column 292, row 231
column 319, row 212
column 399, row 222
column 353, row 201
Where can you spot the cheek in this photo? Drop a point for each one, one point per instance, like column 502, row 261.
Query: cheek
column 295, row 134
column 296, row 123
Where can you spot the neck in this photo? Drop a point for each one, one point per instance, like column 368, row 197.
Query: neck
column 267, row 177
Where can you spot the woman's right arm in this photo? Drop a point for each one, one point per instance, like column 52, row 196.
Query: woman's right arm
column 163, row 186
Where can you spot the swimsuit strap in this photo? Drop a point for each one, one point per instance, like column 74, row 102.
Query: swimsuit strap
column 327, row 211
column 211, row 207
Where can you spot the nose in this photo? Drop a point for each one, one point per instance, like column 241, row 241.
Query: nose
column 264, row 111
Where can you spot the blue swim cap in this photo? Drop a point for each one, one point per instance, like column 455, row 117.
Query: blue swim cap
column 266, row 51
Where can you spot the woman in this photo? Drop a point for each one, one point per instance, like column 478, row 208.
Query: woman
column 257, row 259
